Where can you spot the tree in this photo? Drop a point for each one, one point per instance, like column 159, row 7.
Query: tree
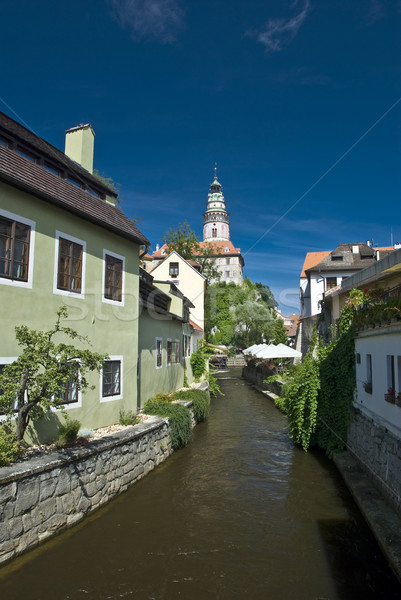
column 254, row 323
column 238, row 314
column 183, row 240
column 279, row 332
column 35, row 381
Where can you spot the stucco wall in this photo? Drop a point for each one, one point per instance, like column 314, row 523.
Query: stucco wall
column 379, row 342
column 40, row 497
column 167, row 378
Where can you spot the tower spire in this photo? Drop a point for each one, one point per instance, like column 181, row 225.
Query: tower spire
column 215, row 219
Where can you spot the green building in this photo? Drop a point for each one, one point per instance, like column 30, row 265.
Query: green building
column 64, row 242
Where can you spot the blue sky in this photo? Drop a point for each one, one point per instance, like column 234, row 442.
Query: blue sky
column 298, row 102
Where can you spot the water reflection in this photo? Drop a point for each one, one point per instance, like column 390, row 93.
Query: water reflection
column 238, row 513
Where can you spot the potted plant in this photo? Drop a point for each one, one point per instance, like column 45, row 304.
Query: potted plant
column 390, row 396
column 367, row 386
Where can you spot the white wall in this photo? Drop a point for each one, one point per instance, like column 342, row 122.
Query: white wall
column 379, row 343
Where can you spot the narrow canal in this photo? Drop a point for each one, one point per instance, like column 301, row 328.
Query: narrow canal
column 239, row 513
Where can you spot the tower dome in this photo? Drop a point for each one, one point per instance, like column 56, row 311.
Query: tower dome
column 216, row 218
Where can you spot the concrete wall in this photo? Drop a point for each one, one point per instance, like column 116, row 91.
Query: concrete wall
column 378, row 450
column 42, row 496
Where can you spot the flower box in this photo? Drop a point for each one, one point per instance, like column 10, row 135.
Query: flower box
column 390, row 398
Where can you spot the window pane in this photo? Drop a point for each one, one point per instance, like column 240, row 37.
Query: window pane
column 14, row 249
column 69, row 266
column 111, row 378
column 113, row 278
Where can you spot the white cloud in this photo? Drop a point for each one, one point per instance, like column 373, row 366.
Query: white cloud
column 278, row 33
column 158, row 20
column 376, row 12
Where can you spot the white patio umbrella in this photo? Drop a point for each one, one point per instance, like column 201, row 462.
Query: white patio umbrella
column 249, row 350
column 287, row 352
column 264, row 351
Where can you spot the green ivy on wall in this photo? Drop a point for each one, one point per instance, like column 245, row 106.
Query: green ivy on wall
column 319, row 392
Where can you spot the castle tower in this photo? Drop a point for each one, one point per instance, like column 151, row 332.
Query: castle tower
column 216, row 226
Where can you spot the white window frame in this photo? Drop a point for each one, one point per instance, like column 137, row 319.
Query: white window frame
column 6, row 360
column 116, row 396
column 109, row 300
column 158, row 339
column 32, row 224
column 77, row 404
column 70, row 238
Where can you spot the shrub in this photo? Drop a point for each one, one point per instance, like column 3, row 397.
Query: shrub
column 214, row 387
column 128, row 418
column 68, row 431
column 198, row 362
column 200, row 400
column 179, row 418
column 10, row 449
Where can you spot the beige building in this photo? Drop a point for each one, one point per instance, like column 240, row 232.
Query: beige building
column 189, row 282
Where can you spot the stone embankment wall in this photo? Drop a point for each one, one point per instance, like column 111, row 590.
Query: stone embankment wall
column 378, row 450
column 256, row 373
column 40, row 497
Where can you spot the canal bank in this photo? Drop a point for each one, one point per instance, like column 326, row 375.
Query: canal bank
column 239, row 512
column 381, row 517
column 383, row 520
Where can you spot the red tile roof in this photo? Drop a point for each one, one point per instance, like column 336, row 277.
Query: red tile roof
column 195, row 326
column 312, row 259
column 219, row 246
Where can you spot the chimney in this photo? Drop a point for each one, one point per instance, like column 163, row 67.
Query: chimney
column 157, row 247
column 79, row 142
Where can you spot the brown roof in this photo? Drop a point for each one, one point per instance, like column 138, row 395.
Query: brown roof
column 30, row 141
column 347, row 260
column 323, row 261
column 33, row 178
column 292, row 329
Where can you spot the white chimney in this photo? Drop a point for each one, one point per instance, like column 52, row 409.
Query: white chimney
column 79, row 144
column 355, row 249
column 157, row 247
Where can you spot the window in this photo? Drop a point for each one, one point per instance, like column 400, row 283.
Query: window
column 112, row 379
column 227, row 261
column 369, row 368
column 173, row 269
column 331, row 282
column 358, row 358
column 186, row 345
column 226, row 249
column 14, row 249
column 69, row 394
column 69, row 274
column 173, row 352
column 159, row 353
column 227, row 274
column 113, row 279
column 214, row 232
column 3, row 362
column 390, row 372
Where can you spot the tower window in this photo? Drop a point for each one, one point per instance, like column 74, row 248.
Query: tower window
column 214, row 232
